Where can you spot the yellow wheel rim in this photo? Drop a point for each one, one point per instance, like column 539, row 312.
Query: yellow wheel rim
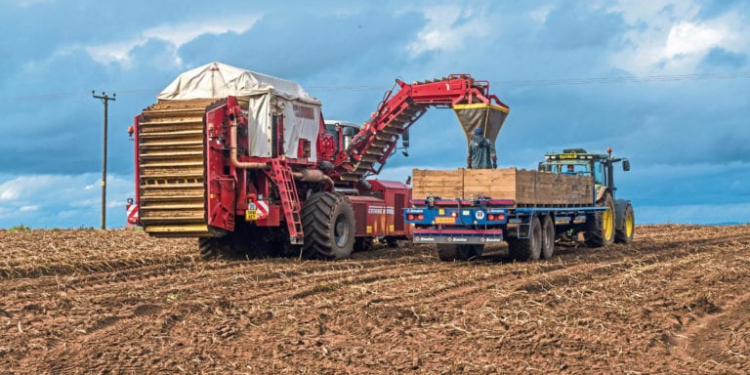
column 608, row 223
column 629, row 225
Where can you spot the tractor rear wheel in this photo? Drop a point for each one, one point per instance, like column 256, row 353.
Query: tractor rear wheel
column 548, row 237
column 625, row 234
column 328, row 224
column 527, row 249
column 600, row 227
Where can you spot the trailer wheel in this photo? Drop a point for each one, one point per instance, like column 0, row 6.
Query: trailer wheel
column 449, row 253
column 625, row 234
column 328, row 224
column 527, row 249
column 548, row 237
column 600, row 227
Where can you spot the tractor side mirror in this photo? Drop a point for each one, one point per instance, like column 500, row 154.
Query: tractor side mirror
column 626, row 165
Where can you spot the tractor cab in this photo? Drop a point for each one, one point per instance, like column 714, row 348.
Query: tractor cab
column 342, row 133
column 577, row 161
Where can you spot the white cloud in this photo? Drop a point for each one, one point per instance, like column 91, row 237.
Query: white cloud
column 176, row 34
column 540, row 14
column 448, row 29
column 8, row 192
column 689, row 38
column 65, row 196
column 667, row 36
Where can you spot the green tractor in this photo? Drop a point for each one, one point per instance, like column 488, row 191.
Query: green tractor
column 604, row 227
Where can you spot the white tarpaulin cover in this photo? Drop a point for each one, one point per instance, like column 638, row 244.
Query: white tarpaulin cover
column 267, row 97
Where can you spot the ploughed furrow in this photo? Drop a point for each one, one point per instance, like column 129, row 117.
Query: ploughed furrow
column 171, row 164
column 279, row 286
column 244, row 276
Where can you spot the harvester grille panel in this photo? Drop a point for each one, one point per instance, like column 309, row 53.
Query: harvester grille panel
column 171, row 162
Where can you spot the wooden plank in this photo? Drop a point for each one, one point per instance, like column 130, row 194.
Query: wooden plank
column 446, row 184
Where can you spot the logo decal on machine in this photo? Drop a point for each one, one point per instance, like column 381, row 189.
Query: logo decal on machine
column 380, row 210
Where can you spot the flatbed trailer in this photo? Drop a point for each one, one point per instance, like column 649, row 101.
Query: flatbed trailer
column 528, row 223
column 482, row 221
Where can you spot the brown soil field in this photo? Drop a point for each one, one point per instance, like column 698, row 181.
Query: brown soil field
column 677, row 300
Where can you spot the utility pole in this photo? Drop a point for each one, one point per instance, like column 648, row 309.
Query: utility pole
column 105, row 99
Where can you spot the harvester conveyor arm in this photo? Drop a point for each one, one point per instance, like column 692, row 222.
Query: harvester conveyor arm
column 376, row 140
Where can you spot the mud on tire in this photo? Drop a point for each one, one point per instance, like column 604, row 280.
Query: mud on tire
column 328, row 224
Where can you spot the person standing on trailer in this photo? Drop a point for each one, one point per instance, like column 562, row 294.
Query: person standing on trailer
column 481, row 152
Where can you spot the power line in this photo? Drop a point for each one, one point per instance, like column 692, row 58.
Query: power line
column 624, row 79
column 495, row 83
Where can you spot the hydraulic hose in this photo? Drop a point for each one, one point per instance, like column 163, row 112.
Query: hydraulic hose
column 233, row 150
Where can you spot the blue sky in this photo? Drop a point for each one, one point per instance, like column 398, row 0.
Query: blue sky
column 663, row 82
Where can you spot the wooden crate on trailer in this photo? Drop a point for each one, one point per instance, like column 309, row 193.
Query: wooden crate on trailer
column 553, row 189
column 526, row 188
column 494, row 183
column 446, row 184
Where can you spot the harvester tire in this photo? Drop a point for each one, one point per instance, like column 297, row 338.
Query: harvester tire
column 450, row 253
column 625, row 234
column 523, row 250
column 328, row 224
column 548, row 237
column 214, row 248
column 600, row 227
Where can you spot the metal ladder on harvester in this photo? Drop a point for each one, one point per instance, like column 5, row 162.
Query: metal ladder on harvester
column 290, row 203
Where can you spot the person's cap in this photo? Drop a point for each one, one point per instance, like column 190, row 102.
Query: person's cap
column 478, row 131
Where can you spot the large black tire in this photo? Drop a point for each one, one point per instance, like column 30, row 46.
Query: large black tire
column 600, row 227
column 625, row 234
column 328, row 224
column 215, row 248
column 548, row 237
column 527, row 249
column 449, row 253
